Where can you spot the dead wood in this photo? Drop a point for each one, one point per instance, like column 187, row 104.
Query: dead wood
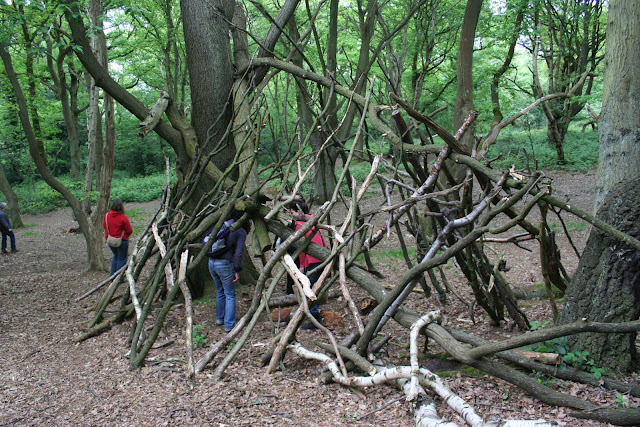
column 546, row 358
column 616, row 416
column 155, row 114
column 566, row 374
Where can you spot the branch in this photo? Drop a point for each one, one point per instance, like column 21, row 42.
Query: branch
column 155, row 114
column 545, row 334
column 433, row 125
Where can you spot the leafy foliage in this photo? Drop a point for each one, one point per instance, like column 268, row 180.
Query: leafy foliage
column 38, row 197
column 577, row 359
column 516, row 146
column 198, row 337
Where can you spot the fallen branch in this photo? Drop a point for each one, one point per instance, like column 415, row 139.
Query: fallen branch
column 384, row 375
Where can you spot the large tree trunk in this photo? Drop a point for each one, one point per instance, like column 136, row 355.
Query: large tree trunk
column 206, row 35
column 619, row 125
column 207, row 42
column 606, row 285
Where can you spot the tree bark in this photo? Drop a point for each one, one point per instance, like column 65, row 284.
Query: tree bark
column 606, row 286
column 464, row 96
column 619, row 125
column 206, row 35
column 13, row 209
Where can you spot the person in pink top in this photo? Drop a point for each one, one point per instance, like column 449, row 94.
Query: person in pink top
column 118, row 225
column 307, row 263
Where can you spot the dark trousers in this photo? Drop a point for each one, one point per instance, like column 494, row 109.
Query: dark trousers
column 313, row 278
column 12, row 238
column 119, row 256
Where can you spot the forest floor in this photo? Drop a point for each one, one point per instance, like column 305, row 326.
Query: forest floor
column 47, row 378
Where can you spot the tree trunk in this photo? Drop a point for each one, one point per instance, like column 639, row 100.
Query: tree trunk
column 324, row 181
column 464, row 95
column 55, row 63
column 93, row 238
column 107, row 156
column 244, row 131
column 606, row 285
column 619, row 125
column 13, row 208
column 206, row 35
column 210, row 65
column 94, row 141
column 556, row 132
column 32, row 83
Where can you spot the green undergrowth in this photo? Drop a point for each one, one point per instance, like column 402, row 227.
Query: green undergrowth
column 572, row 226
column 574, row 358
column 35, row 196
column 515, row 146
column 199, row 337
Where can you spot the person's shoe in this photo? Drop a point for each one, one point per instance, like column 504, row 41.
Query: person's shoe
column 14, row 250
column 309, row 326
column 219, row 323
column 5, row 252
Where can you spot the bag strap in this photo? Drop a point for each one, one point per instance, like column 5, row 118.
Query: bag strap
column 106, row 221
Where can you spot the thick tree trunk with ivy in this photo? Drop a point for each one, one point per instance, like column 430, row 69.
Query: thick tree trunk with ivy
column 606, row 286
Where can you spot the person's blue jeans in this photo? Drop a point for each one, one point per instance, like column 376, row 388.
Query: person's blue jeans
column 223, row 272
column 12, row 237
column 119, row 256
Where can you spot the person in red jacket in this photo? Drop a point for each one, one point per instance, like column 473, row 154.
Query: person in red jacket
column 308, row 264
column 118, row 225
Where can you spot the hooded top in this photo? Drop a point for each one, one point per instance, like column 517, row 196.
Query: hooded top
column 119, row 225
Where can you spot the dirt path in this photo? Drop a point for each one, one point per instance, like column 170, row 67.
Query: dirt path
column 49, row 379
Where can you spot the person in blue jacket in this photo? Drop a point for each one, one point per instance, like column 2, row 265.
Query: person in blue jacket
column 225, row 271
column 6, row 229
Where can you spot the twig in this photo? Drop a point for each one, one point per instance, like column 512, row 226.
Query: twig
column 382, row 408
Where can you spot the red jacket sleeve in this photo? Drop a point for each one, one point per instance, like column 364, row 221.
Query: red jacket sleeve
column 128, row 231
